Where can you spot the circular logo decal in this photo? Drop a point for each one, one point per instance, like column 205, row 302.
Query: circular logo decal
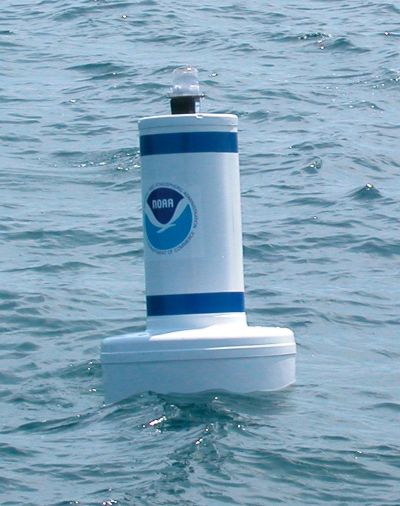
column 169, row 218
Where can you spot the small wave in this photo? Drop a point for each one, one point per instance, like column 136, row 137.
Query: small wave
column 50, row 237
column 71, row 13
column 379, row 247
column 100, row 71
column 313, row 166
column 344, row 44
column 314, row 35
column 394, row 407
column 81, row 370
column 365, row 104
column 96, row 68
column 8, row 44
column 327, row 41
column 54, row 425
column 367, row 192
column 309, row 146
column 310, row 201
column 389, row 79
column 8, row 450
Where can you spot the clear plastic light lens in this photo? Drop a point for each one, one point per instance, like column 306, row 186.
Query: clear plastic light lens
column 185, row 82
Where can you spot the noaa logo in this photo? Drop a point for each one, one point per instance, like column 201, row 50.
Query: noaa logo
column 169, row 218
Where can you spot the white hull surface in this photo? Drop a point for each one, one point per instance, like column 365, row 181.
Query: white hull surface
column 236, row 358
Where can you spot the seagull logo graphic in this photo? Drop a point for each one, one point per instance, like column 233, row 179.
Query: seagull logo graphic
column 168, row 218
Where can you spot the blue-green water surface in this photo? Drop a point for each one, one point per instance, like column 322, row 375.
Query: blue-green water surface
column 316, row 86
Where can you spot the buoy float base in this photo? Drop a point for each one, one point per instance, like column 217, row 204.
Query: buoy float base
column 222, row 357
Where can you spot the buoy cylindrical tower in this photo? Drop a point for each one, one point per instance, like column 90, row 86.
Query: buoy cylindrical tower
column 197, row 338
column 192, row 220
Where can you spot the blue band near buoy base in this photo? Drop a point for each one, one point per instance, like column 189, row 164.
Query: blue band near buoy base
column 195, row 303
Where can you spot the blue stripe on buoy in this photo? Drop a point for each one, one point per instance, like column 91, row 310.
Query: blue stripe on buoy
column 188, row 142
column 195, row 303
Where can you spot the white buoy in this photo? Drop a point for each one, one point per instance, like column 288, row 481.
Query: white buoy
column 197, row 338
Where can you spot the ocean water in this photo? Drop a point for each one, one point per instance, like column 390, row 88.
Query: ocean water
column 316, row 86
